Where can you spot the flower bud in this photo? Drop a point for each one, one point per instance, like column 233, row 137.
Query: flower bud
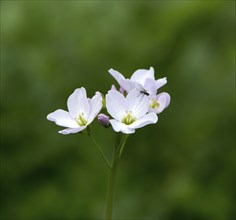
column 104, row 120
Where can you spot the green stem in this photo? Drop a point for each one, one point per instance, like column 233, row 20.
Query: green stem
column 111, row 188
column 125, row 137
column 100, row 151
column 120, row 142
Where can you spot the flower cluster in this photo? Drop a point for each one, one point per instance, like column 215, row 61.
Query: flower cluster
column 133, row 106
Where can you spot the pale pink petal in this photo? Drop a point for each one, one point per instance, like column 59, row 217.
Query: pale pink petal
column 141, row 75
column 115, row 104
column 62, row 118
column 122, row 90
column 138, row 103
column 158, row 84
column 150, row 118
column 149, row 86
column 71, row 130
column 113, row 87
column 84, row 107
column 95, row 107
column 167, row 97
column 118, row 76
column 78, row 103
column 128, row 85
column 164, row 100
column 120, row 127
column 161, row 82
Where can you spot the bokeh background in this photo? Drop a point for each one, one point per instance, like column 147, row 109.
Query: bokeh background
column 181, row 168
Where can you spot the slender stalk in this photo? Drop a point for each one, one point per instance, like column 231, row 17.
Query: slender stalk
column 125, row 137
column 100, row 151
column 120, row 142
column 111, row 187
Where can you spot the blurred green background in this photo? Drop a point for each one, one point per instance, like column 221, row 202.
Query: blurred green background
column 181, row 168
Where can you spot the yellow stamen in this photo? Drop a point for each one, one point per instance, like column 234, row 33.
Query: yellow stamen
column 128, row 119
column 81, row 120
column 154, row 104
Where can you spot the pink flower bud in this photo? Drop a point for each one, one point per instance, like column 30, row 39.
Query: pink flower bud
column 104, row 120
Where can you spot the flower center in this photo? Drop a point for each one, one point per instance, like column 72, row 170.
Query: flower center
column 81, row 120
column 154, row 104
column 128, row 119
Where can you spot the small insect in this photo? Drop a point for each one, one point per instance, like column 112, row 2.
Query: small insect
column 143, row 92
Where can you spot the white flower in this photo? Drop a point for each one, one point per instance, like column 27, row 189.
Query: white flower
column 130, row 112
column 142, row 78
column 82, row 112
column 159, row 102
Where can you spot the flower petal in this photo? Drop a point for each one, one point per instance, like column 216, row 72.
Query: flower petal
column 149, row 86
column 156, row 85
column 78, row 103
column 164, row 100
column 137, row 103
column 120, row 127
column 72, row 130
column 73, row 103
column 161, row 82
column 62, row 118
column 115, row 104
column 141, row 75
column 128, row 85
column 113, row 87
column 95, row 107
column 118, row 76
column 150, row 118
column 167, row 96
